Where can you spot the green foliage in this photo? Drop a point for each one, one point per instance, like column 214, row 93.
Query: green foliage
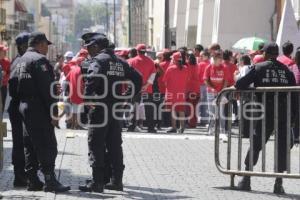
column 89, row 14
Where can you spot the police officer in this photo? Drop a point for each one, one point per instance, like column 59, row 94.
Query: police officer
column 108, row 136
column 270, row 73
column 18, row 157
column 35, row 77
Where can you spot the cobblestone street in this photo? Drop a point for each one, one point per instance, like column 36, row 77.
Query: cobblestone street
column 158, row 166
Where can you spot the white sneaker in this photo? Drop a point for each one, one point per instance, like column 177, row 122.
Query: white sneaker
column 224, row 137
column 138, row 129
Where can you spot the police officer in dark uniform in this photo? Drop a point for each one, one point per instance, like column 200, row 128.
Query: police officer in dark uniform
column 108, row 136
column 35, row 78
column 18, row 156
column 269, row 74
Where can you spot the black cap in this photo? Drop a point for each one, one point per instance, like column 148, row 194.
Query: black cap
column 89, row 35
column 37, row 37
column 96, row 38
column 271, row 49
column 22, row 38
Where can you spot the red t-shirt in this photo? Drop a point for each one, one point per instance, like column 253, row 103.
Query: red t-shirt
column 201, row 69
column 176, row 84
column 161, row 85
column 231, row 68
column 286, row 60
column 193, row 83
column 217, row 76
column 73, row 78
column 145, row 66
column 5, row 64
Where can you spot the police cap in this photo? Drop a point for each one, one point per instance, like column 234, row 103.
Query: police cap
column 271, row 49
column 37, row 37
column 98, row 38
column 22, row 38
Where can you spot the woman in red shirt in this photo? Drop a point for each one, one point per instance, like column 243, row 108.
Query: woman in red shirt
column 176, row 79
column 193, row 90
column 215, row 77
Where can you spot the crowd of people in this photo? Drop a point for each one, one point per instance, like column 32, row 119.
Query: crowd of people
column 166, row 92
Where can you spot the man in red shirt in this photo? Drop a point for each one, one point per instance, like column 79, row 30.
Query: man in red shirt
column 215, row 77
column 5, row 64
column 76, row 91
column 146, row 67
column 286, row 58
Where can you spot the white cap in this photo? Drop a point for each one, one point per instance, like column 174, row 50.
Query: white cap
column 69, row 54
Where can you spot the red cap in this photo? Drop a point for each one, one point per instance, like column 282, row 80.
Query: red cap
column 177, row 56
column 3, row 48
column 141, row 47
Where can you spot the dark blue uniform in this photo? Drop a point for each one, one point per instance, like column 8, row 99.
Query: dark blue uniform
column 270, row 74
column 109, row 135
column 18, row 131
column 35, row 76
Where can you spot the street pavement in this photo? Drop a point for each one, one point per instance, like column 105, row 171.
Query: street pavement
column 158, row 166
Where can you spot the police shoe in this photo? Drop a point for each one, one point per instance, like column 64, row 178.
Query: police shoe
column 171, row 130
column 52, row 184
column 278, row 188
column 35, row 184
column 114, row 184
column 244, row 184
column 92, row 186
column 180, row 131
column 20, row 179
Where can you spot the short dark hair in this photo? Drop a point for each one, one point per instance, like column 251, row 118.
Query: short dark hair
column 206, row 52
column 192, row 59
column 261, row 46
column 199, row 47
column 287, row 48
column 227, row 54
column 245, row 59
column 215, row 47
column 167, row 56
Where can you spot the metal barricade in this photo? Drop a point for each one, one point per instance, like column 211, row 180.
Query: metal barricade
column 236, row 139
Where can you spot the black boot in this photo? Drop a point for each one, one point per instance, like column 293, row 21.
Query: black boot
column 52, row 184
column 245, row 184
column 116, row 183
column 95, row 185
column 278, row 188
column 34, row 182
column 20, row 178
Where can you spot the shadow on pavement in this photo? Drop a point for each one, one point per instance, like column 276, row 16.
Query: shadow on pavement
column 286, row 196
column 135, row 192
column 21, row 197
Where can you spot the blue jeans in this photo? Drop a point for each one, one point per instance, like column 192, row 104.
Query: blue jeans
column 212, row 112
column 204, row 107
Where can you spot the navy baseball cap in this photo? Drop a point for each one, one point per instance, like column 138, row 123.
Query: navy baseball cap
column 271, row 48
column 37, row 37
column 22, row 38
column 98, row 38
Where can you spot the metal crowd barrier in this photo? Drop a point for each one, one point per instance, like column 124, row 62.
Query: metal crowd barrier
column 227, row 168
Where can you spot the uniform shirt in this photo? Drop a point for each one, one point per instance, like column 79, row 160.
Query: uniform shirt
column 201, row 69
column 108, row 66
column 145, row 66
column 76, row 90
column 13, row 84
column 5, row 63
column 193, row 82
column 176, row 84
column 271, row 73
column 231, row 68
column 161, row 85
column 217, row 76
column 286, row 60
column 35, row 78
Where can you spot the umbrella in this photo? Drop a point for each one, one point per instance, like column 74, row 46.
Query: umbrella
column 249, row 43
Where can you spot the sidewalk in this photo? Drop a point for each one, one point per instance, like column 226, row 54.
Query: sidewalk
column 158, row 166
